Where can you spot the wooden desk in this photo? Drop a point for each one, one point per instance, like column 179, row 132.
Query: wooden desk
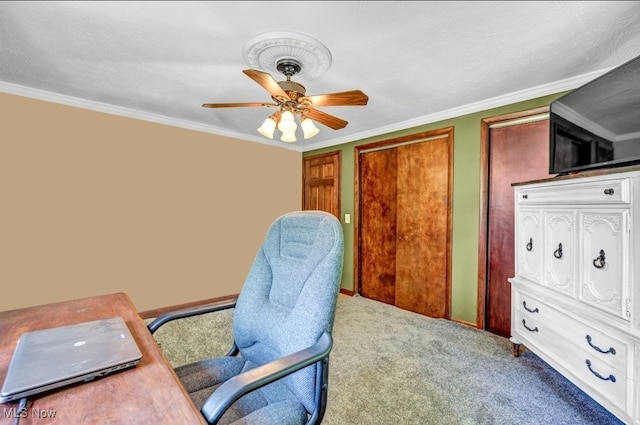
column 149, row 393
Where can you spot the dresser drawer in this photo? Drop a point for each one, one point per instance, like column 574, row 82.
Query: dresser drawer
column 609, row 382
column 614, row 191
column 600, row 345
column 596, row 377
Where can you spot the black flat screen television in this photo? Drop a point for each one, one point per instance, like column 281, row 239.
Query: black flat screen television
column 598, row 124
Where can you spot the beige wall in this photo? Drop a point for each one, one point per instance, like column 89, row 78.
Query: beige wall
column 92, row 203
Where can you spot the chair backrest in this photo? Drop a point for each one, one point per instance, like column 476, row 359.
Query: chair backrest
column 290, row 294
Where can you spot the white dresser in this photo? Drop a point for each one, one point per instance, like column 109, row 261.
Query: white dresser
column 575, row 297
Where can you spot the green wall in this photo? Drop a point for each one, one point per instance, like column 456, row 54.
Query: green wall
column 466, row 200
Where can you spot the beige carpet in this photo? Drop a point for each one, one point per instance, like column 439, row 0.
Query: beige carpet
column 390, row 366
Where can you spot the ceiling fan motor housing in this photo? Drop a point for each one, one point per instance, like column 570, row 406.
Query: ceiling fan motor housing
column 293, row 89
column 288, row 67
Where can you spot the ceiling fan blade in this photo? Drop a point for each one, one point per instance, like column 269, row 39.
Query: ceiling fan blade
column 326, row 119
column 234, row 105
column 267, row 81
column 347, row 98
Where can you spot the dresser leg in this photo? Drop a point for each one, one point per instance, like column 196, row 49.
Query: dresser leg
column 516, row 350
column 516, row 346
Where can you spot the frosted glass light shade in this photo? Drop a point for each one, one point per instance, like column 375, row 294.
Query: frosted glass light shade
column 308, row 128
column 287, row 123
column 267, row 128
column 288, row 137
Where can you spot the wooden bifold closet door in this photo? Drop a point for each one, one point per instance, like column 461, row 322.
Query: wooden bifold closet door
column 404, row 222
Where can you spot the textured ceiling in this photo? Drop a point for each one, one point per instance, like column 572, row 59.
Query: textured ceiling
column 418, row 62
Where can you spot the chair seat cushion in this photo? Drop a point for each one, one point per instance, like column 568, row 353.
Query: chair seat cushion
column 271, row 404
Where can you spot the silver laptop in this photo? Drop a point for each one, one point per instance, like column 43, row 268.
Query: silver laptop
column 52, row 358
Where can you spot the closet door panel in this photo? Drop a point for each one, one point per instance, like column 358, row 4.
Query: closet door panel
column 403, row 231
column 378, row 175
column 421, row 252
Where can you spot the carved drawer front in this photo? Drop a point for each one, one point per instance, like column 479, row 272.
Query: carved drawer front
column 529, row 249
column 602, row 263
column 533, row 323
column 614, row 191
column 596, row 344
column 611, row 383
column 587, row 353
column 559, row 252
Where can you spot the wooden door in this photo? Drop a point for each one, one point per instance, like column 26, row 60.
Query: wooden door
column 404, row 222
column 518, row 151
column 377, row 223
column 321, row 183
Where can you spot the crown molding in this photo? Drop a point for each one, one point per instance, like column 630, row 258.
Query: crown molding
column 107, row 108
column 495, row 102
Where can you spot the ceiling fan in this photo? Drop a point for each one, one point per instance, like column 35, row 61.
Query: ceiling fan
column 291, row 100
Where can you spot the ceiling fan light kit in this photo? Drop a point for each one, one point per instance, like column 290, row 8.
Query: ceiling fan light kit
column 287, row 123
column 268, row 127
column 288, row 137
column 309, row 129
column 270, row 124
column 292, row 54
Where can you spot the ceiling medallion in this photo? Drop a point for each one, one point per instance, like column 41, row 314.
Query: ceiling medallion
column 266, row 50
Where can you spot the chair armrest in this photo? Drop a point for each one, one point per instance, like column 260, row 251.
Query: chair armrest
column 189, row 312
column 239, row 385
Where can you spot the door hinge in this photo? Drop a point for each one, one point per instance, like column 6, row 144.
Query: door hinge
column 628, row 308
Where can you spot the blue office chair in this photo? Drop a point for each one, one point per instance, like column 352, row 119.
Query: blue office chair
column 277, row 370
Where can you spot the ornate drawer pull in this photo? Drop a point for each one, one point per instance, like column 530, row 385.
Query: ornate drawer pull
column 530, row 244
column 600, row 350
column 608, row 191
column 601, row 259
column 597, row 375
column 525, row 196
column 524, row 323
column 535, row 310
column 558, row 252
